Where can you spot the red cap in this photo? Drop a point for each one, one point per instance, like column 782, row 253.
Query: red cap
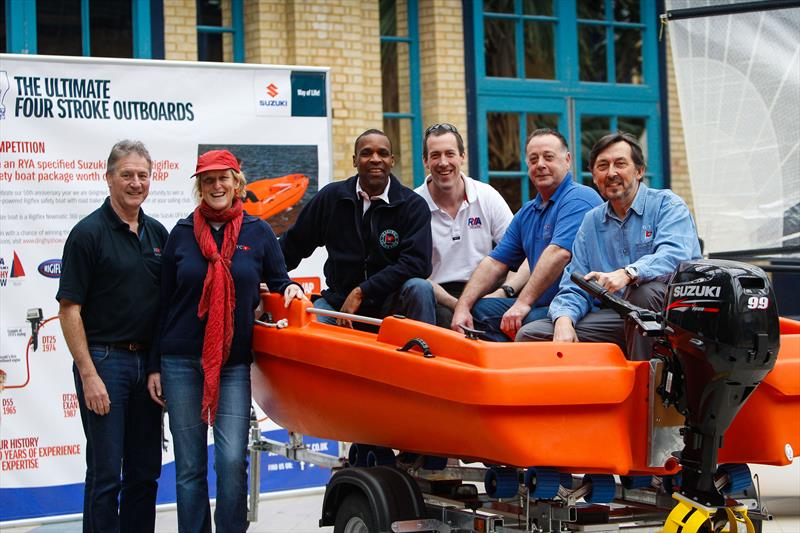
column 216, row 160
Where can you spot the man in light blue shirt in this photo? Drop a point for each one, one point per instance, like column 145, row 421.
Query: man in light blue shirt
column 631, row 244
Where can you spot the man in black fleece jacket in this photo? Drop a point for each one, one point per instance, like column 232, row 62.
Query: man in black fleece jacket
column 378, row 237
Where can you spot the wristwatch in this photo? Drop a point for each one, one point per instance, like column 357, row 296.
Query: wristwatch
column 509, row 290
column 632, row 272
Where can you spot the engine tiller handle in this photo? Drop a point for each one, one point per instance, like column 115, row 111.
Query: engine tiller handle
column 649, row 322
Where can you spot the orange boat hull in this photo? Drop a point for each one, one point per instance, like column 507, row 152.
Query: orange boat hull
column 579, row 407
column 268, row 197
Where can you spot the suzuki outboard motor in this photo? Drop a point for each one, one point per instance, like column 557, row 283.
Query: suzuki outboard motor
column 722, row 325
column 719, row 338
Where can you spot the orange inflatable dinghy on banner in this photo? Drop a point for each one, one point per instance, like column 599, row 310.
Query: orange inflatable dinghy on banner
column 579, row 407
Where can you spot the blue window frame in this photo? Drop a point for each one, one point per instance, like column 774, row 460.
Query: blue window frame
column 583, row 66
column 23, row 35
column 402, row 109
column 211, row 32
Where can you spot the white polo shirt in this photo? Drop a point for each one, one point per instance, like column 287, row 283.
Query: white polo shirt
column 460, row 243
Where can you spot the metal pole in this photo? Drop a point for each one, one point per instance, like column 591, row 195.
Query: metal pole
column 729, row 9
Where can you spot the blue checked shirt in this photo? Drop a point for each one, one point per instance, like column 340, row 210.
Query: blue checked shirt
column 656, row 234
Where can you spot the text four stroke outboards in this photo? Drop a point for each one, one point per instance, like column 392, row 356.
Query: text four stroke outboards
column 719, row 338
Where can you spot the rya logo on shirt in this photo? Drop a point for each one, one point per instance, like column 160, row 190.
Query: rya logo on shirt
column 157, row 251
column 242, row 247
column 647, row 231
column 389, row 239
column 474, row 222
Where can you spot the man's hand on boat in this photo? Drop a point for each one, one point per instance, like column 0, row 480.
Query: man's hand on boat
column 461, row 317
column 292, row 292
column 612, row 281
column 512, row 319
column 350, row 306
column 564, row 330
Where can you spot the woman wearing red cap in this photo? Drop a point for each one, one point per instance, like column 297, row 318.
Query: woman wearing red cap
column 213, row 263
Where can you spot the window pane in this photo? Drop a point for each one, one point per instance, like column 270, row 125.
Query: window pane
column 498, row 6
column 399, row 132
column 209, row 46
column 500, row 48
column 626, row 10
column 539, row 120
column 209, row 12
column 395, row 77
column 592, row 50
column 58, row 27
column 538, row 7
column 390, row 77
column 591, row 9
column 388, row 13
column 510, row 189
column 636, row 126
column 503, row 134
column 592, row 128
column 539, row 50
column 628, row 54
column 111, row 30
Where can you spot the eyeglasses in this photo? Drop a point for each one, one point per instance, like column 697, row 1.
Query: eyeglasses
column 440, row 127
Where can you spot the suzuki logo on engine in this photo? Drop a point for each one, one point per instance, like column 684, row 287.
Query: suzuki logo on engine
column 699, row 291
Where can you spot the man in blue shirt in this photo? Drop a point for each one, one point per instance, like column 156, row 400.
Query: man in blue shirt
column 541, row 232
column 633, row 242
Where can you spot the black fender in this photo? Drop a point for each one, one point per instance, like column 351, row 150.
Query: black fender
column 392, row 494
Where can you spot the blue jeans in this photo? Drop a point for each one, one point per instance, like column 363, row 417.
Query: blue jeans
column 488, row 312
column 127, row 439
column 414, row 300
column 182, row 384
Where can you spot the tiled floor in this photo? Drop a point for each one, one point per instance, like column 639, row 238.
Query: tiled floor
column 300, row 514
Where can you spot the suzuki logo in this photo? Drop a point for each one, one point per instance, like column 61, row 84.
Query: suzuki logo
column 699, row 291
column 272, row 90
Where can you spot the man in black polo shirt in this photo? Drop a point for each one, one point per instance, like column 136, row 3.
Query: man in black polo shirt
column 108, row 297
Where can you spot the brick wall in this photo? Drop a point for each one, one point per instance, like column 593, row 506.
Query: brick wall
column 344, row 35
column 341, row 34
column 265, row 32
column 180, row 30
column 442, row 64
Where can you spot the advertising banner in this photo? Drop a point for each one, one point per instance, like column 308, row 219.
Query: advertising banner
column 59, row 117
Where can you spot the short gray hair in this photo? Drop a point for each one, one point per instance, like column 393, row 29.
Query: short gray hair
column 125, row 148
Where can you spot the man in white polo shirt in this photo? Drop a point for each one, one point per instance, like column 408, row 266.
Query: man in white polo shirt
column 467, row 218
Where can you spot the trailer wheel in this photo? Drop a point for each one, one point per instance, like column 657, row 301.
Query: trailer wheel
column 355, row 516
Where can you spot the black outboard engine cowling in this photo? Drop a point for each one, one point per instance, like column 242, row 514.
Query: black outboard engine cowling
column 725, row 334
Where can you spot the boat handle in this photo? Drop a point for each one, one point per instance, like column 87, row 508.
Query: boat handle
column 416, row 341
column 348, row 316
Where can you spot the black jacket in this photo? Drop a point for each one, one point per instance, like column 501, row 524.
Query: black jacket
column 378, row 251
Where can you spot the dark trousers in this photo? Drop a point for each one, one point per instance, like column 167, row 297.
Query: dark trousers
column 414, row 300
column 605, row 325
column 444, row 315
column 127, row 440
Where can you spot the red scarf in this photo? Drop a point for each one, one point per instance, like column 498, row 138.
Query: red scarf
column 218, row 299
